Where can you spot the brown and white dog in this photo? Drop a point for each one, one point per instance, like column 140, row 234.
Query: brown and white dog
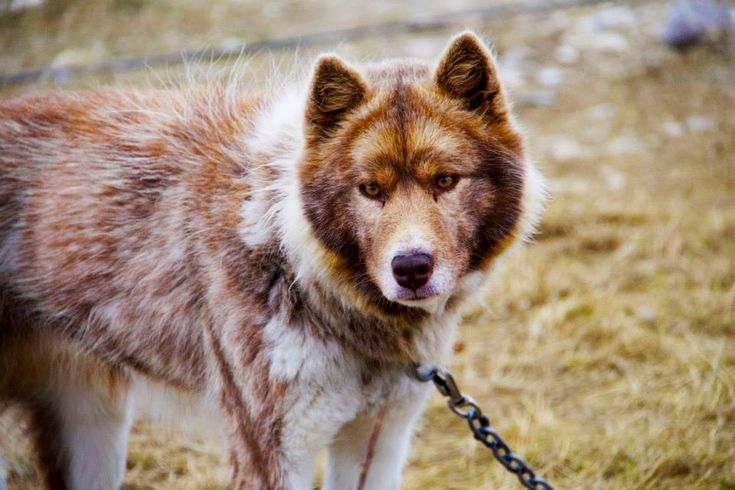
column 286, row 255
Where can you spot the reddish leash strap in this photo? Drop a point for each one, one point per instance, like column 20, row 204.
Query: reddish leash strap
column 365, row 467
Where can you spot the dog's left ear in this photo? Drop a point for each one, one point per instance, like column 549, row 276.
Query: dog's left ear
column 336, row 88
column 467, row 73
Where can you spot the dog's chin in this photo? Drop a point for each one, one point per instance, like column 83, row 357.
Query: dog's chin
column 426, row 297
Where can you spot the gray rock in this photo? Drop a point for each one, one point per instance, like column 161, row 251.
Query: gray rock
column 567, row 54
column 615, row 179
column 515, row 63
column 690, row 22
column 672, row 129
column 16, row 5
column 610, row 42
column 626, row 144
column 539, row 98
column 700, row 124
column 565, row 148
column 550, row 76
column 614, row 18
column 646, row 314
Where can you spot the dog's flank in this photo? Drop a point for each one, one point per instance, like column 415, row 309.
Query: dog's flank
column 287, row 254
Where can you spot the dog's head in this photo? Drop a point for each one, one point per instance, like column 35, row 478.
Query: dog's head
column 413, row 177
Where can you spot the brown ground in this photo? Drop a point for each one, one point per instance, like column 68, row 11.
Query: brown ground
column 606, row 352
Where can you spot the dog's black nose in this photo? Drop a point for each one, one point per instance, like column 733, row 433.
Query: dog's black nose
column 413, row 270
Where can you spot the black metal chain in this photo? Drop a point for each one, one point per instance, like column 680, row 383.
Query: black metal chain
column 479, row 424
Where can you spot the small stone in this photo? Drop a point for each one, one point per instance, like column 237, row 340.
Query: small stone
column 614, row 179
column 16, row 5
column 601, row 112
column 557, row 21
column 700, row 124
column 609, row 41
column 518, row 55
column 645, row 314
column 540, row 98
column 597, row 132
column 597, row 122
column 672, row 129
column 567, row 149
column 692, row 21
column 550, row 76
column 569, row 186
column 567, row 54
column 514, row 66
column 614, row 18
column 232, row 43
column 512, row 77
column 625, row 145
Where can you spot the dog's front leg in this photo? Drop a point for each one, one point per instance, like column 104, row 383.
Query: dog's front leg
column 250, row 407
column 350, row 446
column 278, row 415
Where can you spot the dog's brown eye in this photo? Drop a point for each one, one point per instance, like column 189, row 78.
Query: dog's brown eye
column 371, row 190
column 446, row 182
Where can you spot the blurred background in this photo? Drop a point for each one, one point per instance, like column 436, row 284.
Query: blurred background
column 605, row 353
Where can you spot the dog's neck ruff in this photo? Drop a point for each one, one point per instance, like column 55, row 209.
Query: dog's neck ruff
column 329, row 305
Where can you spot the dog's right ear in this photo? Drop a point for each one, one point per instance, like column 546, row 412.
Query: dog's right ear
column 336, row 88
column 467, row 73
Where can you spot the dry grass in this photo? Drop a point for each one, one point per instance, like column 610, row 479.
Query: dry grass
column 606, row 354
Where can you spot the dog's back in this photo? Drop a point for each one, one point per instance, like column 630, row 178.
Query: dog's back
column 97, row 216
column 95, row 249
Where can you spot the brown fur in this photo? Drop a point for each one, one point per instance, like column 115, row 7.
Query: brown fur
column 121, row 233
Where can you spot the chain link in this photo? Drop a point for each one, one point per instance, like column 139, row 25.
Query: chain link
column 479, row 424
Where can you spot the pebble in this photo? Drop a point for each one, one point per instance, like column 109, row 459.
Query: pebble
column 567, row 149
column 692, row 21
column 614, row 18
column 569, row 185
column 615, row 179
column 512, row 76
column 672, row 129
column 598, row 122
column 602, row 111
column 550, row 76
column 600, row 31
column 16, row 5
column 645, row 314
column 625, row 145
column 700, row 124
column 609, row 41
column 567, row 54
column 514, row 64
column 73, row 57
column 539, row 98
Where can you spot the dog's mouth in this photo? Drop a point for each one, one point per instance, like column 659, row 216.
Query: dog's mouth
column 426, row 298
column 416, row 295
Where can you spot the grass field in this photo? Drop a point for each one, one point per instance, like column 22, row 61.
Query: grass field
column 605, row 353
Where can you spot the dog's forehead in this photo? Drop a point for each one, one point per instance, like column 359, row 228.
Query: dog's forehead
column 404, row 128
column 405, row 144
column 409, row 135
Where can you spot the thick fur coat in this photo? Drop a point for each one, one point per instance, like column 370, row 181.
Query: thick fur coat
column 288, row 255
